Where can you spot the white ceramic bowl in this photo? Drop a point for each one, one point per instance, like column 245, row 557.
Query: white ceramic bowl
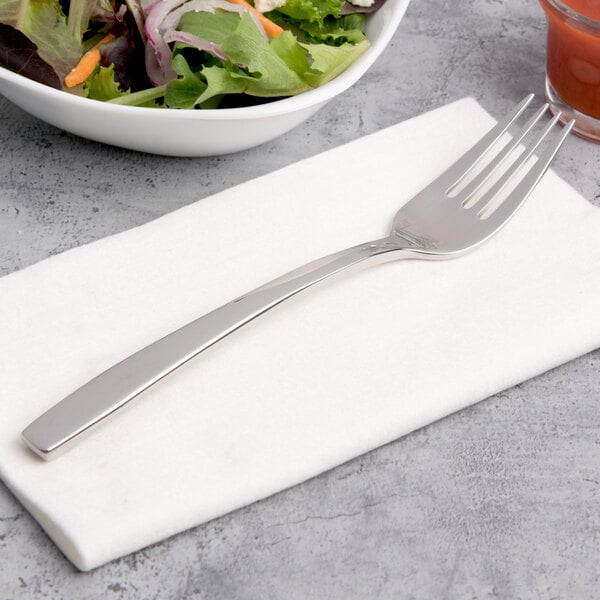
column 194, row 132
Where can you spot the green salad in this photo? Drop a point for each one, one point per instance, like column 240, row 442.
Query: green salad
column 183, row 53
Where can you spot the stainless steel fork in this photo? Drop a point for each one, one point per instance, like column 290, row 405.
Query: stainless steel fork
column 462, row 208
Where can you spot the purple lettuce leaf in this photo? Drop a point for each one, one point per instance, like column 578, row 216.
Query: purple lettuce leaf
column 126, row 53
column 19, row 54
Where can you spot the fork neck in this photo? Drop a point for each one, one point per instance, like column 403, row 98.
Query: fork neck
column 384, row 249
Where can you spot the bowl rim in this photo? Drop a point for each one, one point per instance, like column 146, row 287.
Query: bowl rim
column 278, row 107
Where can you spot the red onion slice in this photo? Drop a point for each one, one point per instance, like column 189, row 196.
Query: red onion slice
column 158, row 53
column 196, row 42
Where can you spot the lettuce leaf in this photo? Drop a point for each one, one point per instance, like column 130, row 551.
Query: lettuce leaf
column 102, row 85
column 256, row 66
column 214, row 27
column 127, row 57
column 313, row 11
column 348, row 29
column 187, row 89
column 19, row 54
column 271, row 75
column 44, row 24
column 238, row 37
column 80, row 12
column 329, row 61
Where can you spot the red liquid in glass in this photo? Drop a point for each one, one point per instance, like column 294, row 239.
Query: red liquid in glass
column 573, row 56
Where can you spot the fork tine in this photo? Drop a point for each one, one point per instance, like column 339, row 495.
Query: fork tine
column 467, row 161
column 521, row 192
column 473, row 186
column 488, row 198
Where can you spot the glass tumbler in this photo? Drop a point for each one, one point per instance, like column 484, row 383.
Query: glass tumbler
column 573, row 63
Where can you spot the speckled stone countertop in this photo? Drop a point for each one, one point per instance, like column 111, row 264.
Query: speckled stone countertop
column 501, row 500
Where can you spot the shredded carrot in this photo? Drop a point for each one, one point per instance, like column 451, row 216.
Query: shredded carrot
column 89, row 61
column 272, row 29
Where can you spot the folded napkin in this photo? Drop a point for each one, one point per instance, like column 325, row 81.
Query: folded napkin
column 320, row 379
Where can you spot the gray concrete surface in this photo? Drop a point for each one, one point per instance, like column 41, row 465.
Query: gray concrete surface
column 498, row 501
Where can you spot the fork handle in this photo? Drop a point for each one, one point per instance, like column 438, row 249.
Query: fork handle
column 63, row 425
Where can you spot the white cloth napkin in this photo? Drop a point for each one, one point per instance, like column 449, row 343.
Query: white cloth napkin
column 320, row 379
